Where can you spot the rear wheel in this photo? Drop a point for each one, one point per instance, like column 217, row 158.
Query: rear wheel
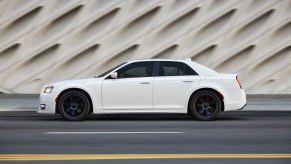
column 205, row 106
column 74, row 105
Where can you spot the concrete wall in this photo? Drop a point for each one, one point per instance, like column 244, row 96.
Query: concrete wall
column 48, row 40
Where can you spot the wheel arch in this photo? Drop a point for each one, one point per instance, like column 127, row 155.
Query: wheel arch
column 74, row 89
column 219, row 94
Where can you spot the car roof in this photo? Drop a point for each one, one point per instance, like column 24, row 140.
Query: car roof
column 159, row 60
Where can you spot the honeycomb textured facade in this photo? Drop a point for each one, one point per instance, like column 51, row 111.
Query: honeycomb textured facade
column 42, row 41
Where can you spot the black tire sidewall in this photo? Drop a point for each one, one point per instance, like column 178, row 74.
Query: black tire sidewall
column 193, row 112
column 86, row 108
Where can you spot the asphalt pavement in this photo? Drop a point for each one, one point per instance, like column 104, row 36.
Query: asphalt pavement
column 265, row 131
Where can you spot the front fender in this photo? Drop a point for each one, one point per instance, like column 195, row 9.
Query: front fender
column 92, row 89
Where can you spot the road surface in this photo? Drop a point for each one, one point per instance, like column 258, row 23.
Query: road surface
column 260, row 134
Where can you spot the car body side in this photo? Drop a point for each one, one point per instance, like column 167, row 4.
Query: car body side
column 225, row 85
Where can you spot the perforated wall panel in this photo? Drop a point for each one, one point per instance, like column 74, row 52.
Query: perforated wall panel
column 49, row 40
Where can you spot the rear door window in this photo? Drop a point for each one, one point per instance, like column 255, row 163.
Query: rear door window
column 175, row 69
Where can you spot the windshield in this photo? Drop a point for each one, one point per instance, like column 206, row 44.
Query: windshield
column 110, row 70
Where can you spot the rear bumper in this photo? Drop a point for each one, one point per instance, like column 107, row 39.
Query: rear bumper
column 243, row 106
column 235, row 101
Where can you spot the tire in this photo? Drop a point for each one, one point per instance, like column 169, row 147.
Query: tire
column 204, row 106
column 74, row 106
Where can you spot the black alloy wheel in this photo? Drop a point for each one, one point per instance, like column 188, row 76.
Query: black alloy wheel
column 205, row 106
column 74, row 105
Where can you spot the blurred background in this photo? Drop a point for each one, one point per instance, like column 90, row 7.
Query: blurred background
column 42, row 41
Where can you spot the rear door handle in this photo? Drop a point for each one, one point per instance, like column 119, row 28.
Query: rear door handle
column 144, row 82
column 187, row 81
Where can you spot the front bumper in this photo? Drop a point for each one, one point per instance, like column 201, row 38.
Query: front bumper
column 47, row 103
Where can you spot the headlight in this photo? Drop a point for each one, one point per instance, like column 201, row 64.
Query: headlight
column 48, row 89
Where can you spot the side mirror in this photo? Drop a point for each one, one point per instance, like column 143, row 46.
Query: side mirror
column 113, row 75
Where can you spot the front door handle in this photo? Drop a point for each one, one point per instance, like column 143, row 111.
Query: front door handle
column 144, row 82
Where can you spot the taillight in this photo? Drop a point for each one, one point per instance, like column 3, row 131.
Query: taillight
column 238, row 82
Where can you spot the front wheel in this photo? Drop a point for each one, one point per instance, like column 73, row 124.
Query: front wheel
column 74, row 105
column 205, row 106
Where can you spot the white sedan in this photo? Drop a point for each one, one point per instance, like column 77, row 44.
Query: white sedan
column 146, row 86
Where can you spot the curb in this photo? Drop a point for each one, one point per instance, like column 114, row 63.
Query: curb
column 19, row 96
column 268, row 96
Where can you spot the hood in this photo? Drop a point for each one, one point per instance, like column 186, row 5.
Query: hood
column 76, row 81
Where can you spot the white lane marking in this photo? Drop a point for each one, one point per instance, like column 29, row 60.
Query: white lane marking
column 113, row 132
